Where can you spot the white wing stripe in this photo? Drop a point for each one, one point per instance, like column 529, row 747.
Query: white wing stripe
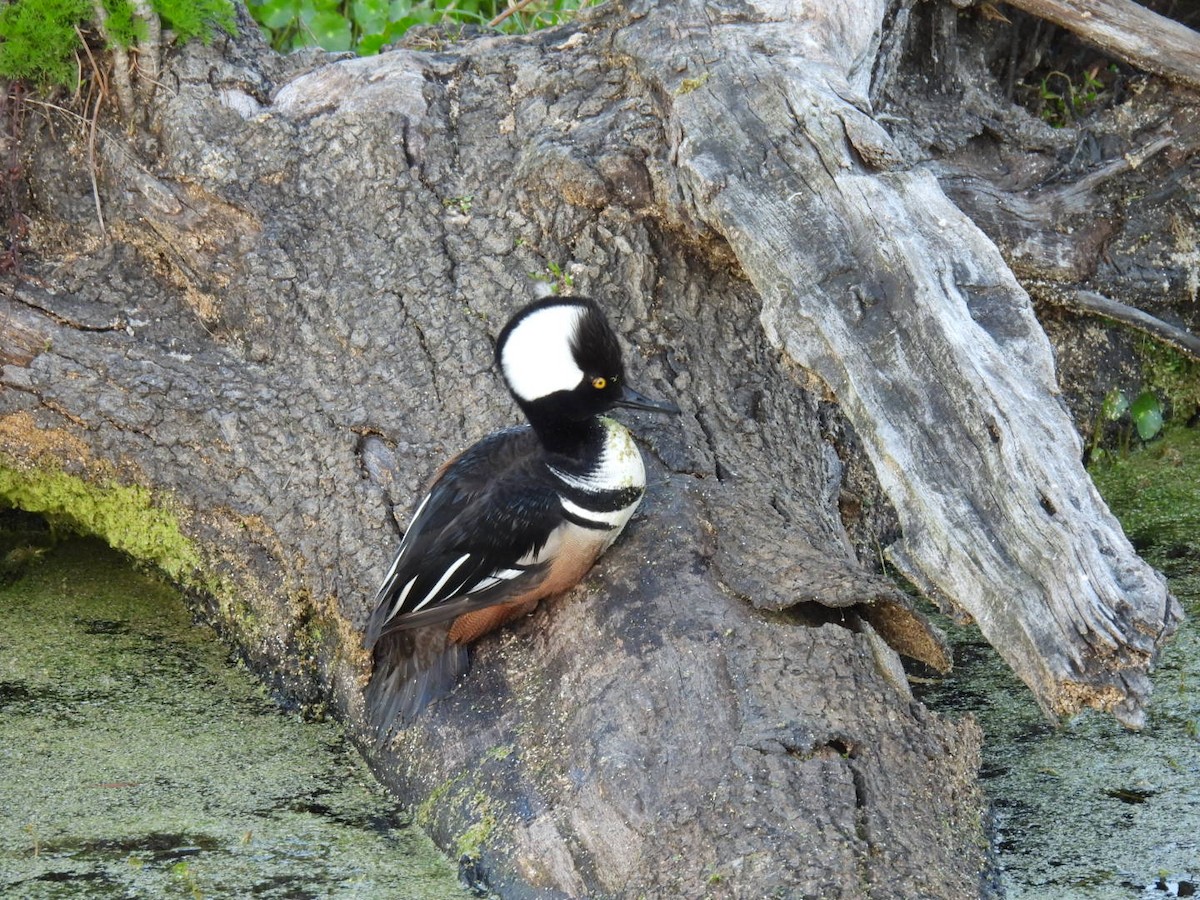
column 442, row 581
column 400, row 600
column 495, row 578
column 484, row 585
column 613, row 519
column 404, row 544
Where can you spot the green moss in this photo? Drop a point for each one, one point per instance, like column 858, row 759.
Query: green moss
column 40, row 39
column 424, row 813
column 1172, row 376
column 125, row 516
column 500, row 751
column 472, row 841
column 197, row 18
column 1155, row 491
column 463, row 792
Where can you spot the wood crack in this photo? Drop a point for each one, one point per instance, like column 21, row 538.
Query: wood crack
column 99, row 320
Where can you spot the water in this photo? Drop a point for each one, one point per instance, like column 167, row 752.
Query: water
column 1090, row 811
column 137, row 761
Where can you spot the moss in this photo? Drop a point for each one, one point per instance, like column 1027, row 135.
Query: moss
column 463, row 792
column 424, row 814
column 40, row 39
column 1173, row 377
column 1155, row 491
column 125, row 516
column 500, row 751
column 472, row 841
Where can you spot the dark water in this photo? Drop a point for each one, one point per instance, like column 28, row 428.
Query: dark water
column 136, row 761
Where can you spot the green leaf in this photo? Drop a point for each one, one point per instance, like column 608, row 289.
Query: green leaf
column 1147, row 415
column 331, row 31
column 276, row 14
column 1115, row 405
column 371, row 16
column 370, row 44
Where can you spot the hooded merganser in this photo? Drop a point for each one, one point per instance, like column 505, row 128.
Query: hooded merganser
column 518, row 517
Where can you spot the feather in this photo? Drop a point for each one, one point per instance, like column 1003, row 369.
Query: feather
column 412, row 668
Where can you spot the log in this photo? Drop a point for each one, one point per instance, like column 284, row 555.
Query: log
column 1128, row 31
column 969, row 401
column 291, row 329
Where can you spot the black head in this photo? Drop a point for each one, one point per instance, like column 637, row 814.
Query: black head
column 561, row 361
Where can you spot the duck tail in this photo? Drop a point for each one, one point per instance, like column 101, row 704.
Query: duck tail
column 413, row 668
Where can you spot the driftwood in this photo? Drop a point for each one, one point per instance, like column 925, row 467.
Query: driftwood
column 290, row 327
column 1128, row 31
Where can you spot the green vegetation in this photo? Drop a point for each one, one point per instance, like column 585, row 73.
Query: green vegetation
column 126, row 517
column 1156, row 491
column 365, row 26
column 1144, row 415
column 187, row 18
column 471, row 842
column 40, row 40
column 1063, row 101
column 1173, row 376
column 560, row 281
column 1089, row 809
column 139, row 763
column 1170, row 393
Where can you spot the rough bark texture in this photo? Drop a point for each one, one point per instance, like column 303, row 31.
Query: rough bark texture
column 1039, row 563
column 291, row 327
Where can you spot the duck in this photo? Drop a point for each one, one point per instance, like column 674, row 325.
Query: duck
column 519, row 517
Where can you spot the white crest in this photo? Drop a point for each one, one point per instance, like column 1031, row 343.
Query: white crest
column 536, row 360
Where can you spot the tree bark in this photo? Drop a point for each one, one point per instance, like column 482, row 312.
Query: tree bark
column 292, row 328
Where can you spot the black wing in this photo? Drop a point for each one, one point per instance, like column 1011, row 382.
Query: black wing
column 474, row 538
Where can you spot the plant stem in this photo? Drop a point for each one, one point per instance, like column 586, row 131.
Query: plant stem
column 148, row 51
column 121, row 80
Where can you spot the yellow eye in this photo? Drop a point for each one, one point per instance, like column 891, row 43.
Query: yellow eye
column 599, row 383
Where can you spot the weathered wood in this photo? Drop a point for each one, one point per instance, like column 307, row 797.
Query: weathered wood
column 292, row 329
column 1128, row 31
column 865, row 272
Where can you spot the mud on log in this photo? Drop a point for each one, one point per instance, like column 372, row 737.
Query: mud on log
column 289, row 327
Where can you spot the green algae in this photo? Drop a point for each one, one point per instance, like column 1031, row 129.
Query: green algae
column 1091, row 811
column 1155, row 492
column 124, row 516
column 137, row 761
